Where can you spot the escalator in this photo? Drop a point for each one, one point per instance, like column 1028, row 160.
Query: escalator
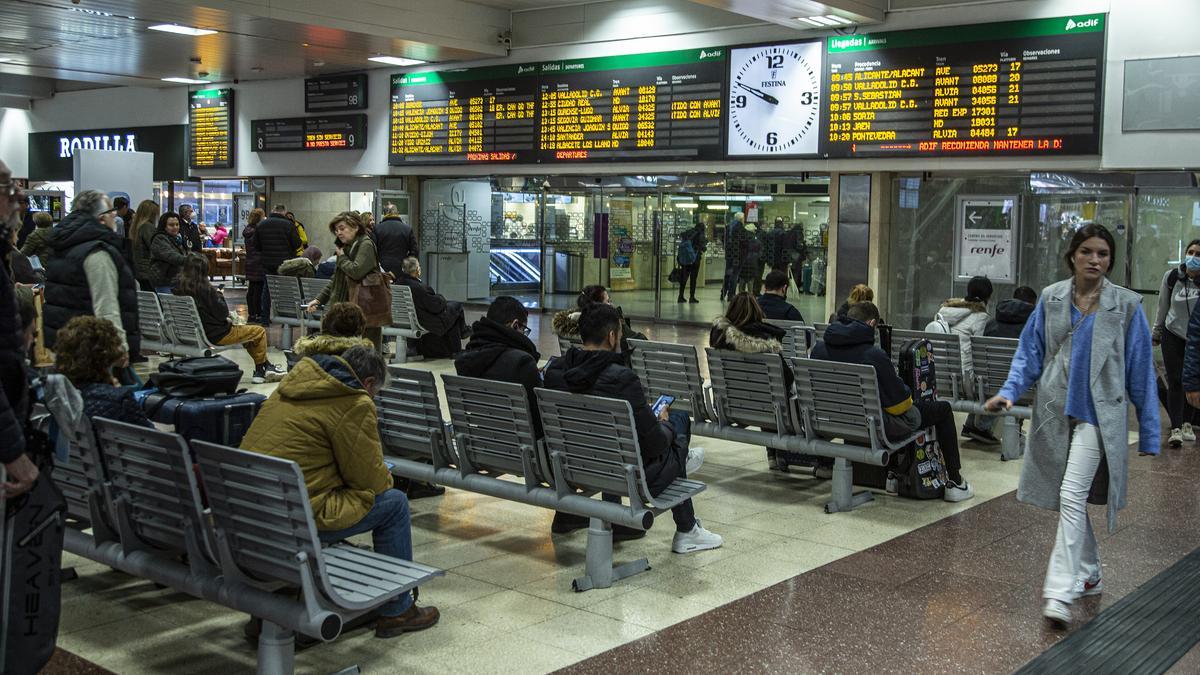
column 515, row 269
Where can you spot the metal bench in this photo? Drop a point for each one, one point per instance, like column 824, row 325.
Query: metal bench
column 405, row 324
column 410, row 418
column 156, row 332
column 565, row 343
column 186, row 328
column 750, row 390
column 952, row 374
column 286, row 305
column 265, row 534
column 991, row 360
column 799, row 339
column 841, row 400
column 310, row 289
column 593, row 447
column 493, row 429
column 81, row 477
column 674, row 370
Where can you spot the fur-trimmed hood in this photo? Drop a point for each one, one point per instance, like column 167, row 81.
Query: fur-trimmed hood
column 965, row 317
column 754, row 338
column 566, row 323
column 332, row 345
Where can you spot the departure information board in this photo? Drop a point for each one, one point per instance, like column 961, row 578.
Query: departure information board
column 1015, row 88
column 331, row 132
column 466, row 115
column 210, row 129
column 332, row 94
column 664, row 105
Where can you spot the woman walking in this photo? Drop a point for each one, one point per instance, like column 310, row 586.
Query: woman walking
column 1176, row 299
column 356, row 258
column 1087, row 346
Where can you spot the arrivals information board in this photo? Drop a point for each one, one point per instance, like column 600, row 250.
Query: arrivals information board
column 1016, row 88
column 211, row 129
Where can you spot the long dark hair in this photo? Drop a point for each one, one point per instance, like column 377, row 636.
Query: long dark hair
column 193, row 276
column 1087, row 232
column 744, row 310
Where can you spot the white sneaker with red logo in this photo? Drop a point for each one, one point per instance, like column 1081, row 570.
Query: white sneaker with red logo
column 1086, row 587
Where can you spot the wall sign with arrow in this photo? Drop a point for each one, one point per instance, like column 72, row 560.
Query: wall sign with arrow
column 986, row 241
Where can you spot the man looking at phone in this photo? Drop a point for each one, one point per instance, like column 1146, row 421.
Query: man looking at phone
column 598, row 369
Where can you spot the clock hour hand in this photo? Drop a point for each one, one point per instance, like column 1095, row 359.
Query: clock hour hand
column 759, row 93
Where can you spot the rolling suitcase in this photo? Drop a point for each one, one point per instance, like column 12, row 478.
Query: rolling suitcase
column 920, row 470
column 220, row 419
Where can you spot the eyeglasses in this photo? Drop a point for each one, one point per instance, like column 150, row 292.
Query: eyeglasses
column 10, row 189
column 524, row 330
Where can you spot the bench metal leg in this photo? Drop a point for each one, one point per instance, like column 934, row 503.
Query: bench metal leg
column 1010, row 439
column 601, row 573
column 401, row 355
column 287, row 337
column 844, row 497
column 276, row 650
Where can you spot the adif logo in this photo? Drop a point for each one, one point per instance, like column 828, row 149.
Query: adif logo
column 714, row 54
column 1090, row 23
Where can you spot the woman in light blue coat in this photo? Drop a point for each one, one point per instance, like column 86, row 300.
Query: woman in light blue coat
column 1087, row 346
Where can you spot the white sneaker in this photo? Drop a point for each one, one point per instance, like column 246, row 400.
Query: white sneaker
column 699, row 539
column 1176, row 439
column 823, row 471
column 1085, row 587
column 695, row 460
column 892, row 485
column 958, row 493
column 1189, row 435
column 1058, row 612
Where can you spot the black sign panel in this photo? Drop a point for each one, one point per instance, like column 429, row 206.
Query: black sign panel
column 332, row 132
column 50, row 152
column 332, row 94
column 1015, row 88
column 210, row 114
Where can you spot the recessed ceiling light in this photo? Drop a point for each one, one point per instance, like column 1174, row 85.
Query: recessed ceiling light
column 808, row 21
column 824, row 21
column 182, row 30
column 396, row 60
column 184, row 80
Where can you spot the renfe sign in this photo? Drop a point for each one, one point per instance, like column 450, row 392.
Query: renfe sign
column 986, row 226
column 50, row 152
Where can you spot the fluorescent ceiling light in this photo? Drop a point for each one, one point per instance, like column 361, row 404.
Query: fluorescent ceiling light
column 396, row 60
column 824, row 21
column 184, row 80
column 811, row 22
column 736, row 198
column 182, row 30
column 685, row 205
column 716, row 207
column 839, row 19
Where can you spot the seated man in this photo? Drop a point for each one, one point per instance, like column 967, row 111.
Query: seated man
column 443, row 318
column 322, row 417
column 774, row 298
column 501, row 350
column 1011, row 317
column 852, row 340
column 598, row 369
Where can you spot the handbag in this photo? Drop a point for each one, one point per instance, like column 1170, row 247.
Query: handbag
column 373, row 295
column 675, row 275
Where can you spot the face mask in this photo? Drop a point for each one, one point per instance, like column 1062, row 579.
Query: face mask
column 1192, row 263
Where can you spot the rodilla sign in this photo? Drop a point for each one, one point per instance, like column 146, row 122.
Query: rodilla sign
column 50, row 152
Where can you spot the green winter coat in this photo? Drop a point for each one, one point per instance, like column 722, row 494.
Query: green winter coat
column 38, row 243
column 359, row 260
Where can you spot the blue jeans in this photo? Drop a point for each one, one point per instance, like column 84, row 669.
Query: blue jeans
column 162, row 290
column 391, row 532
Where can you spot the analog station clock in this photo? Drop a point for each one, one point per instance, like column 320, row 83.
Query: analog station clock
column 775, row 99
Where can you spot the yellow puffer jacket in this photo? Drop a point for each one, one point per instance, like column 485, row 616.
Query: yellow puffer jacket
column 321, row 418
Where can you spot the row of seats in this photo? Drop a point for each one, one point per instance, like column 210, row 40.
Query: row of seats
column 143, row 493
column 171, row 324
column 290, row 297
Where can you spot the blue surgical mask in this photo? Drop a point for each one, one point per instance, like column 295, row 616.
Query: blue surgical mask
column 1192, row 263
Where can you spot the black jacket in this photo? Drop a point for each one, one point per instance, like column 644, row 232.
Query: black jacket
column 497, row 352
column 851, row 341
column 433, row 311
column 67, row 294
column 167, row 254
column 600, row 373
column 14, row 390
column 1011, row 316
column 115, row 403
column 254, row 266
column 214, row 313
column 776, row 307
column 276, row 240
column 774, row 253
column 395, row 240
column 191, row 235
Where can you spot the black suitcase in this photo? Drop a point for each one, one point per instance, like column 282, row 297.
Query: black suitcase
column 31, row 541
column 220, row 419
column 920, row 470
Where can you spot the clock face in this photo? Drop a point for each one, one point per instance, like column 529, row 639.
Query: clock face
column 775, row 99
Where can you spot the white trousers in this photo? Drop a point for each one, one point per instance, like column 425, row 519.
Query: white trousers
column 1075, row 554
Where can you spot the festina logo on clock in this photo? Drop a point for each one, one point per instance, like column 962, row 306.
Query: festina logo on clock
column 775, row 99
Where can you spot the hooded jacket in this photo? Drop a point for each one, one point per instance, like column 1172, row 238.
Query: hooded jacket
column 604, row 373
column 38, row 243
column 14, row 388
column 963, row 317
column 254, row 266
column 753, row 338
column 434, row 313
column 777, row 307
column 497, row 352
column 396, row 241
column 566, row 323
column 1011, row 316
column 323, row 419
column 851, row 341
column 332, row 345
column 276, row 240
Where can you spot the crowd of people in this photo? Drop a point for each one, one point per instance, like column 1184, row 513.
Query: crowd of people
column 1083, row 342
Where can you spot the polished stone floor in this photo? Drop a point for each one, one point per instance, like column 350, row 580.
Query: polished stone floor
column 896, row 586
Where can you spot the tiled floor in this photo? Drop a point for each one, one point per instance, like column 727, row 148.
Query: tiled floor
column 768, row 600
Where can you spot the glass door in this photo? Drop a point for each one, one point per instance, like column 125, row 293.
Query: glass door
column 570, row 257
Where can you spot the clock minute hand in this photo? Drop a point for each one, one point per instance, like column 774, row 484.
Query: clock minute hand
column 760, row 93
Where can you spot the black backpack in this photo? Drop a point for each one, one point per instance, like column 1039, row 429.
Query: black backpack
column 197, row 377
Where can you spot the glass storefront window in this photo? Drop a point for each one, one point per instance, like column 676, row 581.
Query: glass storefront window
column 1166, row 221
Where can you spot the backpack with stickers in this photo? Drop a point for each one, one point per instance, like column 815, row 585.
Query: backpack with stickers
column 920, row 470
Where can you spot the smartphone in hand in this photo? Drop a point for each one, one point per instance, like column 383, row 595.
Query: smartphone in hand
column 662, row 404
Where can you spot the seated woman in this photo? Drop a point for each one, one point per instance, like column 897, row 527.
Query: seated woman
column 167, row 251
column 85, row 351
column 342, row 327
column 566, row 322
column 214, row 316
